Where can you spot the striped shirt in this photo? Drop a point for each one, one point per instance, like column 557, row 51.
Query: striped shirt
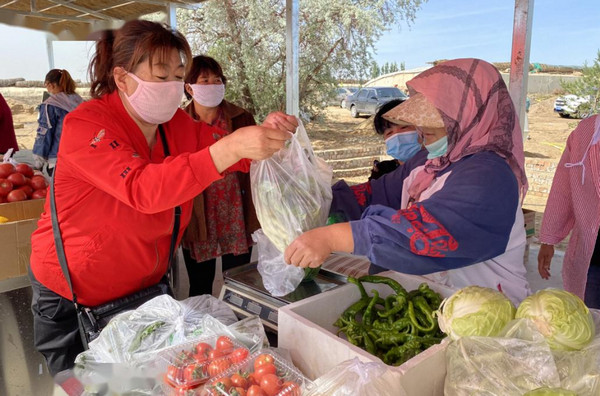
column 573, row 204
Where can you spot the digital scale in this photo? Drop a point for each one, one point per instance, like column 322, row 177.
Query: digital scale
column 244, row 292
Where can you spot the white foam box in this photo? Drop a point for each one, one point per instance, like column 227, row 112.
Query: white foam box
column 305, row 328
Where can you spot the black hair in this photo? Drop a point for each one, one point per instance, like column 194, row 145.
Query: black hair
column 379, row 122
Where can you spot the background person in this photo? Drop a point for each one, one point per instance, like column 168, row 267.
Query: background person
column 223, row 217
column 115, row 188
column 458, row 217
column 63, row 99
column 8, row 140
column 573, row 206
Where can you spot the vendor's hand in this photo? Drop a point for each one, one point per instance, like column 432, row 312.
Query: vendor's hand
column 313, row 247
column 281, row 121
column 544, row 259
column 310, row 249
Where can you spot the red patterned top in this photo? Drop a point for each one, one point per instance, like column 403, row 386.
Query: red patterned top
column 226, row 232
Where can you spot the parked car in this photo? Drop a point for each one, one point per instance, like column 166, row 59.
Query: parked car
column 368, row 100
column 341, row 94
column 569, row 106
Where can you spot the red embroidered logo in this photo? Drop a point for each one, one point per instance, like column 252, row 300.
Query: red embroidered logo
column 427, row 236
column 361, row 192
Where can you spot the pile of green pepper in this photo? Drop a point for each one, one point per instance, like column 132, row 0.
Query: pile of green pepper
column 394, row 328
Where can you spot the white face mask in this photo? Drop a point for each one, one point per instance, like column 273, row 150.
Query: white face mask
column 208, row 95
column 156, row 102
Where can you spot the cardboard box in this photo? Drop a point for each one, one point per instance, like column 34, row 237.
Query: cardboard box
column 306, row 330
column 15, row 236
column 529, row 217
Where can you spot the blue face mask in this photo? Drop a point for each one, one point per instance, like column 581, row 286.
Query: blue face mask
column 403, row 146
column 437, row 148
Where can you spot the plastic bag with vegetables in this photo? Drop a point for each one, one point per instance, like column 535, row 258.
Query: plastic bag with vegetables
column 292, row 194
column 355, row 378
column 502, row 365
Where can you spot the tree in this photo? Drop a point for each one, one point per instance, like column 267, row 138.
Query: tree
column 402, row 66
column 393, row 67
column 375, row 72
column 247, row 37
column 587, row 86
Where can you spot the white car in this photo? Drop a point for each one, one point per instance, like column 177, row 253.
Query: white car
column 569, row 106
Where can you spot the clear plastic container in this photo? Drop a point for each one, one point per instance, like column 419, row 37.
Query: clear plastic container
column 266, row 370
column 189, row 365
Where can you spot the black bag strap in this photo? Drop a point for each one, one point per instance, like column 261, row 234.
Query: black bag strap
column 60, row 250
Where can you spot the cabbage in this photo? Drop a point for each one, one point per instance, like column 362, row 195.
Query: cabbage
column 475, row 311
column 550, row 392
column 561, row 317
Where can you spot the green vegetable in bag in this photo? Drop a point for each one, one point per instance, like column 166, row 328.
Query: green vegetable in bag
column 550, row 392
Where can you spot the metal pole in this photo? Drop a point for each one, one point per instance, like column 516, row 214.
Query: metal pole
column 519, row 63
column 291, row 61
column 50, row 51
column 172, row 15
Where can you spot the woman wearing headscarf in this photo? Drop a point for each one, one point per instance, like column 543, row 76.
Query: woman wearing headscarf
column 457, row 216
column 573, row 207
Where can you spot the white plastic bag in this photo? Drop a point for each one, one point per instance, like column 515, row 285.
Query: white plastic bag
column 356, row 378
column 292, row 194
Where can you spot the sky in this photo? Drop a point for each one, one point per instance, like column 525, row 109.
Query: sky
column 564, row 32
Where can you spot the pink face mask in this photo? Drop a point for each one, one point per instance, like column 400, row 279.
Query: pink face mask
column 156, row 102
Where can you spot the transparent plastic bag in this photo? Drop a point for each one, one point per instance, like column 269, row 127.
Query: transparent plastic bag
column 504, row 365
column 292, row 194
column 356, row 378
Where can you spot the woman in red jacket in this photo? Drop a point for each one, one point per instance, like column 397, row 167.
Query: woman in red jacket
column 115, row 189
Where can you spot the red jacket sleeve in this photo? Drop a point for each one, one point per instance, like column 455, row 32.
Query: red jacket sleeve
column 207, row 139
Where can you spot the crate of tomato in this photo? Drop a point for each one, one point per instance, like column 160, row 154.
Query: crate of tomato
column 264, row 373
column 187, row 366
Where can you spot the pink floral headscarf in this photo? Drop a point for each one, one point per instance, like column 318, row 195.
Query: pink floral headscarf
column 478, row 113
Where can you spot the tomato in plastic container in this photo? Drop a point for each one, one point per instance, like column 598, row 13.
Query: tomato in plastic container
column 264, row 373
column 187, row 366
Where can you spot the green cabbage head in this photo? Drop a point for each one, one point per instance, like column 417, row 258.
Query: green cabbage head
column 561, row 317
column 550, row 392
column 475, row 311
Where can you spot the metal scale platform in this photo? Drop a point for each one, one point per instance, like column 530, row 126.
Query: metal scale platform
column 244, row 292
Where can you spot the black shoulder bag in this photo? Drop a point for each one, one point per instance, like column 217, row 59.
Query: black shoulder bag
column 92, row 320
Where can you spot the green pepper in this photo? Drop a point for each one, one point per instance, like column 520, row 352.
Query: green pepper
column 396, row 287
column 399, row 354
column 420, row 301
column 369, row 344
column 388, row 339
column 432, row 297
column 145, row 333
column 361, row 288
column 399, row 306
column 368, row 316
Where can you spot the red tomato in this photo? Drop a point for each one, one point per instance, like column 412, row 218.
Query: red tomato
column 193, row 374
column 224, row 343
column 255, row 390
column 174, row 375
column 271, row 384
column 217, row 353
column 39, row 194
column 203, row 349
column 25, row 169
column 5, row 187
column 6, row 169
column 28, row 190
column 17, row 179
column 224, row 383
column 290, row 388
column 267, row 368
column 239, row 381
column 252, row 380
column 38, row 182
column 263, row 358
column 218, row 366
column 16, row 195
column 238, row 355
column 238, row 391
